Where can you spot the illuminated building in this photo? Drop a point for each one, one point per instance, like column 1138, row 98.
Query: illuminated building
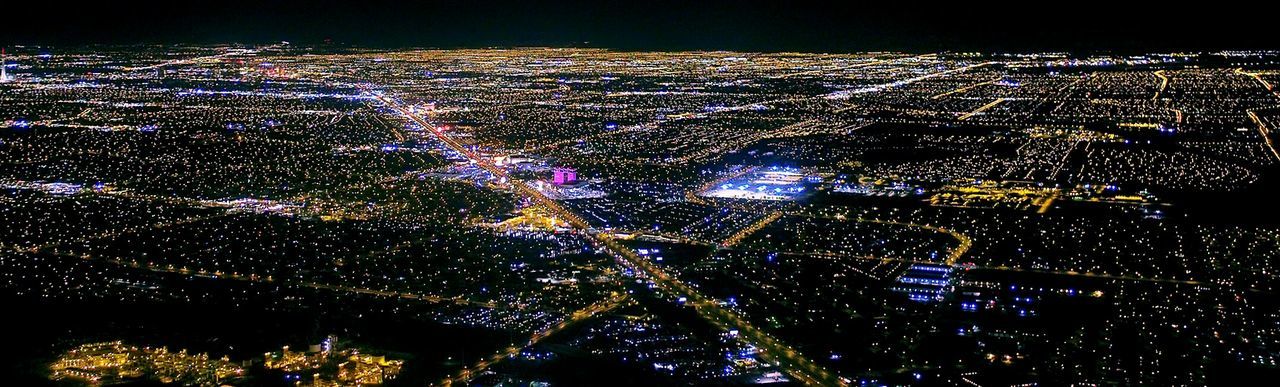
column 564, row 176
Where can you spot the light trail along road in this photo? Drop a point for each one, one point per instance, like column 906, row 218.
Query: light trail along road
column 770, row 349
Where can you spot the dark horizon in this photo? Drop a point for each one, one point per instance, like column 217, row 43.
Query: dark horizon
column 752, row 26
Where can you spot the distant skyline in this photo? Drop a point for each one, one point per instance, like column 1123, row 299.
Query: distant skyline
column 749, row 25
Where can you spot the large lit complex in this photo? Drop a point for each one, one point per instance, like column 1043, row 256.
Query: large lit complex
column 114, row 362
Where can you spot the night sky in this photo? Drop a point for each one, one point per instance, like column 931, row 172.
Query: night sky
column 745, row 25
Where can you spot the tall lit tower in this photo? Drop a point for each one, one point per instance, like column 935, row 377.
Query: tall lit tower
column 4, row 68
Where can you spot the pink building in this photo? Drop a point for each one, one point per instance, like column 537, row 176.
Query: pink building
column 564, row 176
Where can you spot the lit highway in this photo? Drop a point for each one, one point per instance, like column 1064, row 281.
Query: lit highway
column 796, row 365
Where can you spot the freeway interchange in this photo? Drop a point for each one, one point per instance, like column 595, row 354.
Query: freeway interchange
column 770, row 349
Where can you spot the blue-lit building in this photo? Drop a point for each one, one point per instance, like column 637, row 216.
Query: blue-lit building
column 925, row 282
